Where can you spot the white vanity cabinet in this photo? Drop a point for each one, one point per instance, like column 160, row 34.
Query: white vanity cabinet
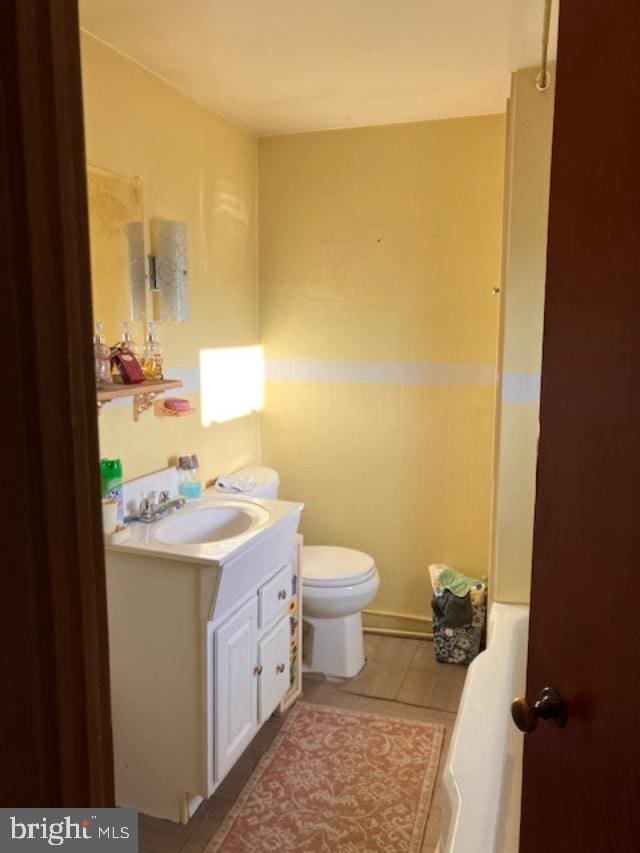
column 251, row 668
column 201, row 641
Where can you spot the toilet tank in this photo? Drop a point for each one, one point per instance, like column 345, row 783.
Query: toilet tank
column 267, row 482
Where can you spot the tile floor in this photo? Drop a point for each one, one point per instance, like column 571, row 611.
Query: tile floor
column 401, row 678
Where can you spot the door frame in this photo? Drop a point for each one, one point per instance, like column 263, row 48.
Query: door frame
column 56, row 718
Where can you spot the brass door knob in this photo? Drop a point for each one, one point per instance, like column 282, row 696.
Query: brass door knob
column 550, row 707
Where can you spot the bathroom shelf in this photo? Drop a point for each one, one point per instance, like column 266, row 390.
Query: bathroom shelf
column 143, row 393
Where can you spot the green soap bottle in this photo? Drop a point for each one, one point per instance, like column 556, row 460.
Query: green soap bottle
column 111, row 483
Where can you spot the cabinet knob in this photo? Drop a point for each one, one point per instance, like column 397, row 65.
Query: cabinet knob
column 257, row 670
column 282, row 594
column 280, row 668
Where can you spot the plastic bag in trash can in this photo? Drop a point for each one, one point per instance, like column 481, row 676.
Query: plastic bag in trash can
column 459, row 614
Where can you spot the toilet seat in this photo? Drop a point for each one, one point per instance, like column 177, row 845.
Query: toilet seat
column 329, row 566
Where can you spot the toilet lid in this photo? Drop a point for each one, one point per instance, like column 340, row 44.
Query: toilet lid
column 325, row 565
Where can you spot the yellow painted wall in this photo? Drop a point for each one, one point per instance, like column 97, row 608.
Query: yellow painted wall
column 525, row 253
column 199, row 168
column 379, row 249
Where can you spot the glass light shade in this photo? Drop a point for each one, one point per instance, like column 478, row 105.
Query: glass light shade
column 137, row 272
column 231, row 383
column 169, row 245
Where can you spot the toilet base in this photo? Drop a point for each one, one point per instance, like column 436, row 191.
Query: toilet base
column 336, row 646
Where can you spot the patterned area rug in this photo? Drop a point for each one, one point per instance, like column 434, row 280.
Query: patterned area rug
column 337, row 781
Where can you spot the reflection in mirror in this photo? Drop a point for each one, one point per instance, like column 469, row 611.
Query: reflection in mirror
column 137, row 271
column 117, row 251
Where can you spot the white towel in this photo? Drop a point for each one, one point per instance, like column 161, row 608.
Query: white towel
column 233, row 483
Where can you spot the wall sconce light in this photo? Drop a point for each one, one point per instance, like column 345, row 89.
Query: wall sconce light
column 137, row 278
column 231, row 383
column 169, row 270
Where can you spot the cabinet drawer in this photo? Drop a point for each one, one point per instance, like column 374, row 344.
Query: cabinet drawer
column 273, row 656
column 273, row 597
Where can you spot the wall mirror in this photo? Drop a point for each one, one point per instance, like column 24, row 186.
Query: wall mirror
column 116, row 228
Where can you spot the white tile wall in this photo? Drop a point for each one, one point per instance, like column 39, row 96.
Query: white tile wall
column 521, row 387
column 382, row 372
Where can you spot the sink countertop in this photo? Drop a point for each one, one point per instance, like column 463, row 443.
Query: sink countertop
column 143, row 541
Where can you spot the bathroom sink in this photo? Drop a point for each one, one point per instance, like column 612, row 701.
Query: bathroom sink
column 209, row 524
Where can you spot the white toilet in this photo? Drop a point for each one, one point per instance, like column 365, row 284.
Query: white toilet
column 337, row 584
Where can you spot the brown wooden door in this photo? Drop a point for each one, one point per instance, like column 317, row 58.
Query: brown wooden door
column 55, row 719
column 582, row 783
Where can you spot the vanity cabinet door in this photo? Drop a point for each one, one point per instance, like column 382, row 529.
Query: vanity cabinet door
column 235, row 686
column 274, row 665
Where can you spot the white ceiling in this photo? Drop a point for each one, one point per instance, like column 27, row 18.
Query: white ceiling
column 281, row 66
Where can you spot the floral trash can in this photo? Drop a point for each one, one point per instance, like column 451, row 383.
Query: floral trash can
column 459, row 607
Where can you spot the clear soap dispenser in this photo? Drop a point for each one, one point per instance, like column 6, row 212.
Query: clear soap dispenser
column 127, row 341
column 189, row 482
column 152, row 356
column 102, row 357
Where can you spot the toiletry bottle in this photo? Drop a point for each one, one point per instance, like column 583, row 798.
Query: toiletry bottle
column 102, row 357
column 125, row 361
column 189, row 483
column 152, row 357
column 127, row 341
column 111, row 483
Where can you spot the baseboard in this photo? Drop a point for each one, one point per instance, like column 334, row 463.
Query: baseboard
column 398, row 624
column 397, row 632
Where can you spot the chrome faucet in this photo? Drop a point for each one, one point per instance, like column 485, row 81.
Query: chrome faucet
column 150, row 510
